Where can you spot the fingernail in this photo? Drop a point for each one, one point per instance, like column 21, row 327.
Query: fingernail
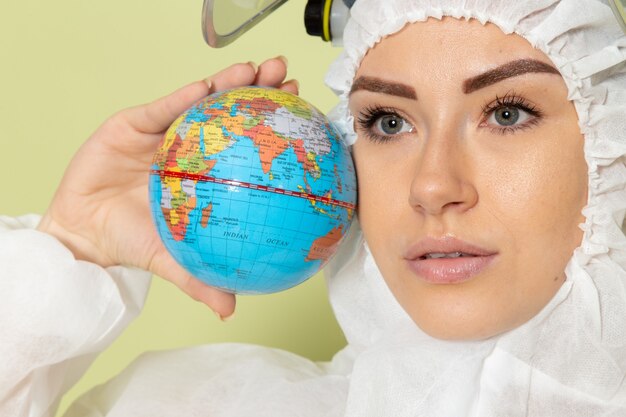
column 227, row 318
column 294, row 81
column 253, row 65
column 209, row 83
column 284, row 59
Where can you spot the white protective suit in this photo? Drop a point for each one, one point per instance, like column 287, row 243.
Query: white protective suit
column 569, row 360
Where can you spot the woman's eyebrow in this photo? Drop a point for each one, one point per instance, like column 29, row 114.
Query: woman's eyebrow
column 378, row 85
column 508, row 70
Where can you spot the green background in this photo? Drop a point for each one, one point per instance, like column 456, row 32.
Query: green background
column 66, row 66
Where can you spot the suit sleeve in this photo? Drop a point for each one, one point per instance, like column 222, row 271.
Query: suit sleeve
column 56, row 315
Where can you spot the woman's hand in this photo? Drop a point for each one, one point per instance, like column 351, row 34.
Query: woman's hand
column 101, row 209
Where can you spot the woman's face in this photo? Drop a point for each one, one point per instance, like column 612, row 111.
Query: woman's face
column 467, row 146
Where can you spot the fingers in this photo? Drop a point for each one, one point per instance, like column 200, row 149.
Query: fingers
column 157, row 116
column 222, row 303
column 236, row 75
column 272, row 72
column 291, row 86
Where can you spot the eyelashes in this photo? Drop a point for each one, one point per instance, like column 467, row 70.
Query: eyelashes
column 371, row 121
column 521, row 114
column 502, row 116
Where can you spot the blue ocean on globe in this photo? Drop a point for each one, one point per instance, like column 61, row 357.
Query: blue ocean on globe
column 252, row 190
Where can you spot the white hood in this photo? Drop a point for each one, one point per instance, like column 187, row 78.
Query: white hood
column 569, row 360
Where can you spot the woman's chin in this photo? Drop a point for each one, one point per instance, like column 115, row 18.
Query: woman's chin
column 466, row 326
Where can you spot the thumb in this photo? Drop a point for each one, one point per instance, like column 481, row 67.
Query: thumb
column 221, row 302
column 157, row 116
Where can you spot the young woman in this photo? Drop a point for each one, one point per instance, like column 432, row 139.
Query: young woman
column 486, row 276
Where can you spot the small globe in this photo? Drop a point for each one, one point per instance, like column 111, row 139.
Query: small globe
column 252, row 190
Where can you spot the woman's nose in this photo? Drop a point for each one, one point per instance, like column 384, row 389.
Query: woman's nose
column 443, row 179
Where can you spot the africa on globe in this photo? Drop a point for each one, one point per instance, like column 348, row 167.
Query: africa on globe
column 252, row 190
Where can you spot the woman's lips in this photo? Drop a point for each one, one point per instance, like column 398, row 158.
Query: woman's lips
column 437, row 260
column 449, row 271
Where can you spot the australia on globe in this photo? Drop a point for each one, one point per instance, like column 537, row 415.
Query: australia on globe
column 252, row 190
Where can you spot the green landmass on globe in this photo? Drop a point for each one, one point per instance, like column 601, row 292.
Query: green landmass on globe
column 252, row 190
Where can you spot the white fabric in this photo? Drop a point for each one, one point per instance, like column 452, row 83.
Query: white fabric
column 56, row 315
column 222, row 380
column 569, row 360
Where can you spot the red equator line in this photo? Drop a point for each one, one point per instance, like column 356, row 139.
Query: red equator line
column 308, row 196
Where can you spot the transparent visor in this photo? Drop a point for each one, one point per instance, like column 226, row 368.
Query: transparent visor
column 223, row 21
column 619, row 7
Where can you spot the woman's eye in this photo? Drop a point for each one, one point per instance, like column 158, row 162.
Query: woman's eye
column 392, row 124
column 382, row 124
column 508, row 116
column 510, row 113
